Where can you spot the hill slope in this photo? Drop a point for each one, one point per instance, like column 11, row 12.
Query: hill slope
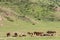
column 30, row 10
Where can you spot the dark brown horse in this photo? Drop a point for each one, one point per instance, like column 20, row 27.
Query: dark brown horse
column 38, row 33
column 51, row 33
column 15, row 35
column 46, row 34
column 8, row 34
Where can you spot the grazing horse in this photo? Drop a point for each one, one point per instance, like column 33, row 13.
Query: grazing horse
column 24, row 35
column 51, row 33
column 29, row 33
column 38, row 33
column 8, row 34
column 46, row 35
column 20, row 35
column 15, row 35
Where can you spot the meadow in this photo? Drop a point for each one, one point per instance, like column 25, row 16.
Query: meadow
column 23, row 26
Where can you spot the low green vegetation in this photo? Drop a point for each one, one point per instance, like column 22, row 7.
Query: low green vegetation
column 40, row 9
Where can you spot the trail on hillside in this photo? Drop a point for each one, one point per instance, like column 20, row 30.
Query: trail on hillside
column 11, row 15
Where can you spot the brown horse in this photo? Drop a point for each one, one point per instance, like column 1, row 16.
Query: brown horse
column 15, row 35
column 51, row 33
column 38, row 33
column 8, row 34
column 46, row 34
column 30, row 33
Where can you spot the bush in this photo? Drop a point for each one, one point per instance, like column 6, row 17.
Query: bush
column 9, row 19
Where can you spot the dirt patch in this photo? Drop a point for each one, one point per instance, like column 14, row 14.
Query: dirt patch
column 58, row 9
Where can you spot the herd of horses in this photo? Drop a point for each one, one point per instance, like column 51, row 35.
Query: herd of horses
column 32, row 34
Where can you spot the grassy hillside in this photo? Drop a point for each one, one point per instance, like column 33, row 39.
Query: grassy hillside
column 40, row 9
column 29, row 16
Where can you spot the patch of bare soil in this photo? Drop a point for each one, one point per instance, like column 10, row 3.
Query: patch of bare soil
column 7, row 13
column 58, row 9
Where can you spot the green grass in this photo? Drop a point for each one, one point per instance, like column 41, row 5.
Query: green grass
column 23, row 26
column 26, row 26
